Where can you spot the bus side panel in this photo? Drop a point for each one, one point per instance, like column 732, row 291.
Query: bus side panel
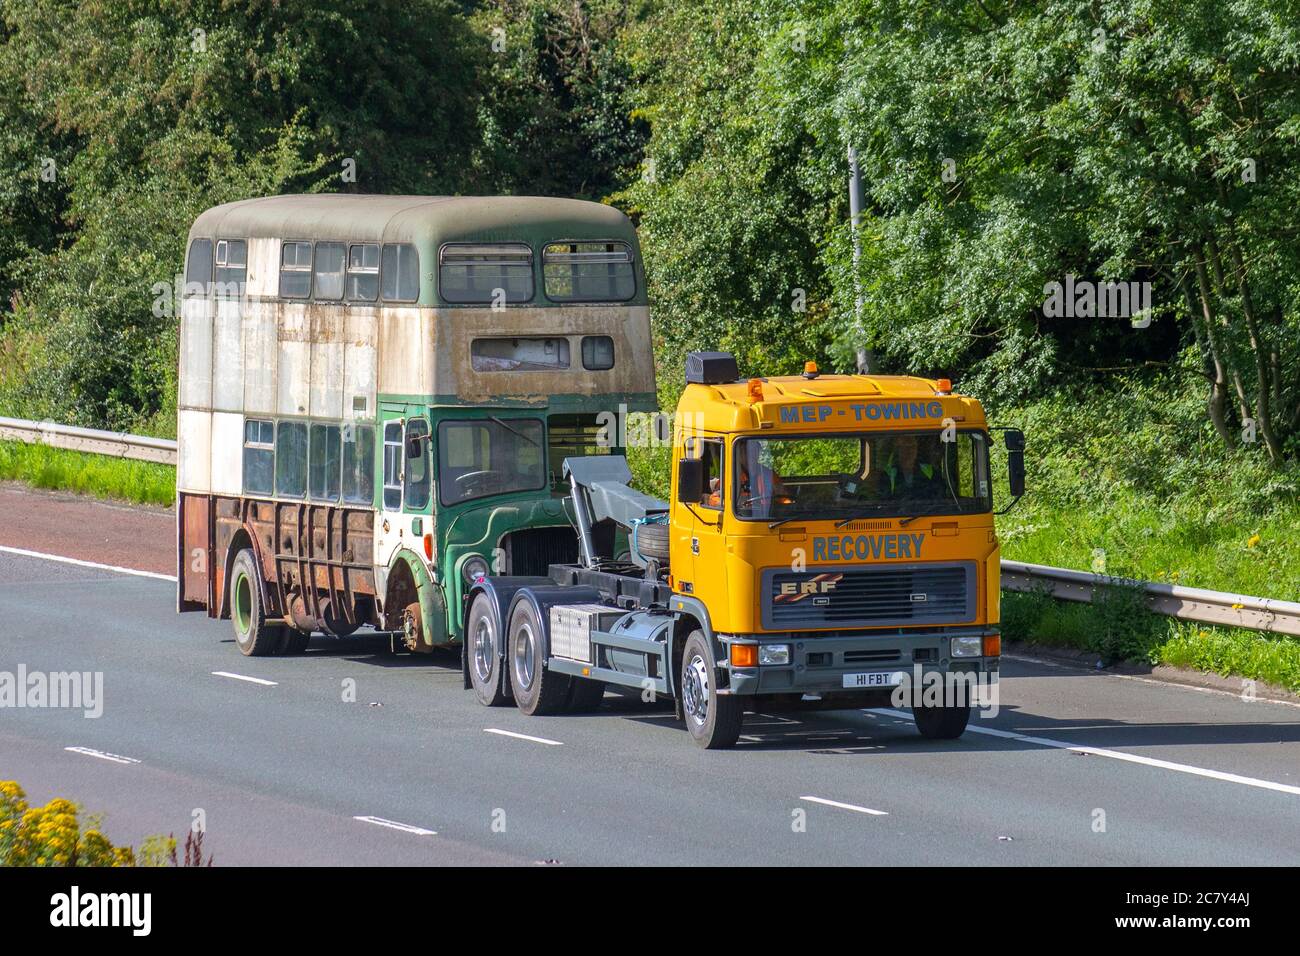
column 194, row 556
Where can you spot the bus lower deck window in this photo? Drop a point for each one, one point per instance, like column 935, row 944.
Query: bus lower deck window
column 393, row 453
column 323, row 475
column 358, row 464
column 291, row 459
column 259, row 456
column 295, row 270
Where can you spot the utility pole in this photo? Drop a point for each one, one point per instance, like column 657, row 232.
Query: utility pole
column 855, row 221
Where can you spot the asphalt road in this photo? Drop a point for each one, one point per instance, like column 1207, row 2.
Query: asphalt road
column 281, row 771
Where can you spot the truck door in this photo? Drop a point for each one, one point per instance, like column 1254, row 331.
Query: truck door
column 708, row 572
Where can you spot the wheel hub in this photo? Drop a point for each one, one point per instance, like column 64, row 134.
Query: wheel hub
column 524, row 656
column 484, row 649
column 695, row 689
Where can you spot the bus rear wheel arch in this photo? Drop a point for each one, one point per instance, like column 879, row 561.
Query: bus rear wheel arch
column 254, row 635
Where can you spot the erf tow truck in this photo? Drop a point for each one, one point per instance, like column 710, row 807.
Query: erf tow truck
column 830, row 538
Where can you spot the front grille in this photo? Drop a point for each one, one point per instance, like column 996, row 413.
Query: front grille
column 864, row 597
column 534, row 550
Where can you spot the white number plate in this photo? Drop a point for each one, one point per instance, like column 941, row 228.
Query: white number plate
column 875, row 679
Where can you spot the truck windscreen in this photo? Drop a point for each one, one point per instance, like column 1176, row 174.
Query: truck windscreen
column 882, row 474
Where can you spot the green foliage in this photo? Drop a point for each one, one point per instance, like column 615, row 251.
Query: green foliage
column 140, row 482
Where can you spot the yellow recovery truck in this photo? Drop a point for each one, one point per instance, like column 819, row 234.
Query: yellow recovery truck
column 829, row 544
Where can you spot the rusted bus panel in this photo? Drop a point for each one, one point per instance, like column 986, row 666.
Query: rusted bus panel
column 327, row 546
column 194, row 552
column 456, row 328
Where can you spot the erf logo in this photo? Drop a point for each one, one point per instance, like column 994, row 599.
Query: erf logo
column 791, row 591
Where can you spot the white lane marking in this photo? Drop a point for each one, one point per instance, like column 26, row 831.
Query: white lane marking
column 847, row 806
column 251, row 680
column 1127, row 757
column 536, row 740
column 23, row 552
column 394, row 825
column 102, row 755
column 1158, row 681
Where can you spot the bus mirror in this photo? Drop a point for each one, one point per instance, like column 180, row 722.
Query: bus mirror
column 413, row 449
column 690, row 480
column 1015, row 442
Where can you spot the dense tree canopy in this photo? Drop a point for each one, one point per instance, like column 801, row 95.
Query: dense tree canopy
column 1004, row 146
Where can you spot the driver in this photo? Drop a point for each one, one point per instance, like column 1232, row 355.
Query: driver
column 760, row 485
column 907, row 473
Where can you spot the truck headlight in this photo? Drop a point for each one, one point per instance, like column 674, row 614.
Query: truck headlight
column 967, row 646
column 774, row 653
column 475, row 567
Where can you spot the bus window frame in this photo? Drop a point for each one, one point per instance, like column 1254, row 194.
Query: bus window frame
column 532, row 274
column 311, row 266
column 631, row 261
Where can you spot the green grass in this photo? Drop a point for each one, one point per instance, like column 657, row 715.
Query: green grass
column 140, row 482
column 1119, row 627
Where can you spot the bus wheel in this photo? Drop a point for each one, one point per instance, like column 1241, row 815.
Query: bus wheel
column 483, row 647
column 941, row 723
column 586, row 695
column 714, row 720
column 254, row 636
column 537, row 691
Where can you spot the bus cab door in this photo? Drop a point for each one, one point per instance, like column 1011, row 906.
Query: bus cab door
column 405, row 517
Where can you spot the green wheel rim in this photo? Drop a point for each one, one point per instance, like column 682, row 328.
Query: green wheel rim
column 243, row 603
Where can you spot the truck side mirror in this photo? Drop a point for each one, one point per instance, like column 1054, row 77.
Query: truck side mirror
column 690, row 480
column 1015, row 442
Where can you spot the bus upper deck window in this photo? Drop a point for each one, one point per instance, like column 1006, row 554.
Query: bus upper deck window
column 363, row 272
column 295, row 270
column 327, row 279
column 400, row 272
column 198, row 270
column 597, row 353
column 484, row 274
column 232, row 265
column 588, row 271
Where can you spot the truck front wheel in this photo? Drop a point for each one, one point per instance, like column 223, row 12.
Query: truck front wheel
column 941, row 723
column 483, row 647
column 713, row 719
column 255, row 637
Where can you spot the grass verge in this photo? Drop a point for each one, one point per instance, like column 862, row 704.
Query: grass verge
column 1118, row 626
column 141, row 482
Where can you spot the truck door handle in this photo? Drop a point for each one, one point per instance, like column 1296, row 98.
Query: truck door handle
column 695, row 545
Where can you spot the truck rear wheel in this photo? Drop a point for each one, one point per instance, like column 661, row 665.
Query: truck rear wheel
column 253, row 635
column 713, row 719
column 537, row 691
column 941, row 723
column 483, row 648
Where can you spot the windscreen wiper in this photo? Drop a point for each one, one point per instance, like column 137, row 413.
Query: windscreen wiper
column 493, row 418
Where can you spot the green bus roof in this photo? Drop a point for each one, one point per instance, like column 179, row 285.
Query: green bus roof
column 426, row 220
